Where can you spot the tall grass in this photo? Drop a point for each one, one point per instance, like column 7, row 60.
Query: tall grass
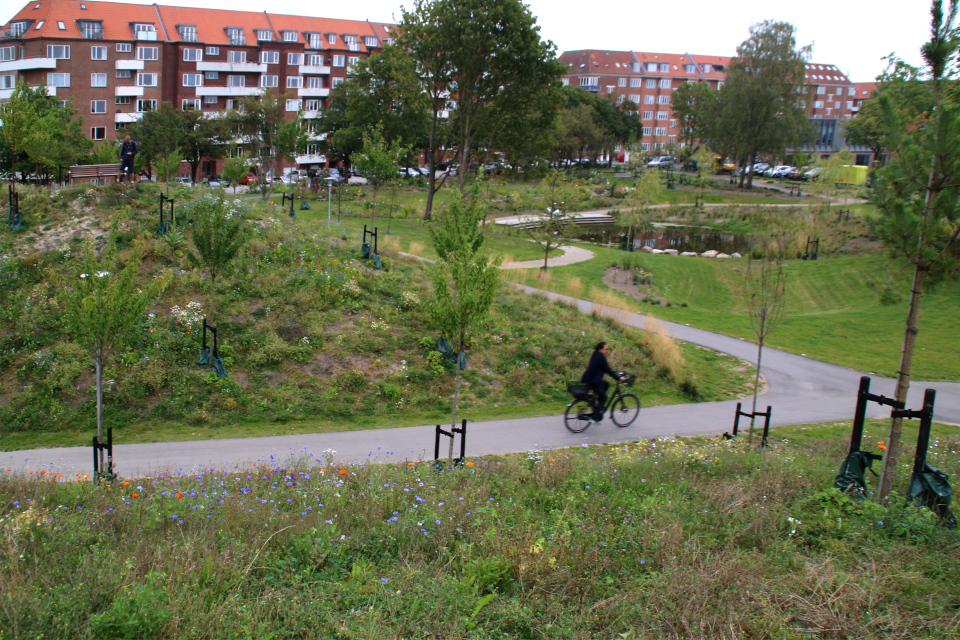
column 415, row 248
column 663, row 350
column 574, row 288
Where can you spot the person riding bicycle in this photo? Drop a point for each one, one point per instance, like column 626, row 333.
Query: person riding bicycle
column 593, row 378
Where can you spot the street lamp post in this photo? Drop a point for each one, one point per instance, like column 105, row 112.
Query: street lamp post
column 329, row 199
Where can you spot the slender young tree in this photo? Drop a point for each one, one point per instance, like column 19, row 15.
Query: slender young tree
column 764, row 291
column 916, row 194
column 218, row 235
column 464, row 280
column 378, row 162
column 100, row 306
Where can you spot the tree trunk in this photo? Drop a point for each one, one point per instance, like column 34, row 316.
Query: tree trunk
column 98, row 360
column 213, row 281
column 903, row 384
column 756, row 388
column 456, row 396
column 373, row 212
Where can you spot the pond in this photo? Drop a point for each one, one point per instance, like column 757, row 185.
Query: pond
column 681, row 238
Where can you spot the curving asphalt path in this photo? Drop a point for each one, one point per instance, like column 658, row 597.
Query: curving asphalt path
column 800, row 390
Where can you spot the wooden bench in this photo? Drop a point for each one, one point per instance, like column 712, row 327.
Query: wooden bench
column 98, row 173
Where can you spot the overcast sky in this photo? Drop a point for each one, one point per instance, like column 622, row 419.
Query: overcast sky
column 855, row 36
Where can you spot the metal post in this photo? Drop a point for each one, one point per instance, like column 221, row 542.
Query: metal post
column 923, row 439
column 463, row 439
column 329, row 200
column 96, row 450
column 862, row 397
column 736, row 421
column 436, row 443
column 766, row 426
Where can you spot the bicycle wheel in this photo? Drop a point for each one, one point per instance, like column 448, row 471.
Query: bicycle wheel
column 625, row 410
column 578, row 416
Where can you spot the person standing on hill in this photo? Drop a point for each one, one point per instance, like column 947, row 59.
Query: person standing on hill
column 128, row 152
column 593, row 378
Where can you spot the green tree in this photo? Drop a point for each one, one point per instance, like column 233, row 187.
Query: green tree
column 464, row 279
column 692, row 104
column 548, row 229
column 378, row 162
column 867, row 128
column 219, row 232
column 233, row 170
column 168, row 164
column 262, row 122
column 158, row 133
column 202, row 139
column 648, row 191
column 487, row 56
column 761, row 98
column 41, row 130
column 916, row 194
column 100, row 308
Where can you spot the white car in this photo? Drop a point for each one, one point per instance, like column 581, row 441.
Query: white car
column 779, row 171
column 662, row 162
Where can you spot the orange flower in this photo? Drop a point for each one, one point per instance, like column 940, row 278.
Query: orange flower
column 343, row 472
column 552, row 460
column 882, row 446
column 42, row 472
column 470, row 463
column 410, row 464
column 178, row 495
column 126, row 484
column 136, row 495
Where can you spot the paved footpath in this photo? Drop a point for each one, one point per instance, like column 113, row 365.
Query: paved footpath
column 800, row 390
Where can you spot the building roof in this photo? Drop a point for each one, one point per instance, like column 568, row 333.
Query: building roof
column 865, row 89
column 622, row 62
column 818, row 73
column 117, row 20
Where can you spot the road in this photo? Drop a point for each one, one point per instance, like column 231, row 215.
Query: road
column 800, row 390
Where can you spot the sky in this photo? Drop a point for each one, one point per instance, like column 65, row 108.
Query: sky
column 854, row 35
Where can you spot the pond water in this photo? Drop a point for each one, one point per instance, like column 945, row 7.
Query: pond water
column 681, row 238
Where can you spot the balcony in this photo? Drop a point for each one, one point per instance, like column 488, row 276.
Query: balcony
column 313, row 158
column 146, row 35
column 133, row 65
column 313, row 93
column 311, row 114
column 232, row 67
column 127, row 117
column 313, row 70
column 129, row 91
column 228, row 91
column 5, row 94
column 28, row 63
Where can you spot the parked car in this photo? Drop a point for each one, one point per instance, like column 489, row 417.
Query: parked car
column 661, row 162
column 779, row 171
column 812, row 174
column 249, row 178
column 760, row 167
column 335, row 174
column 215, row 182
column 182, row 180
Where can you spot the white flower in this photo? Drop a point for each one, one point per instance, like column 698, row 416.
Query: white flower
column 84, row 275
column 101, row 274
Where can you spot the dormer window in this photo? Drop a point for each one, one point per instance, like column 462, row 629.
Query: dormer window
column 188, row 32
column 314, row 40
column 331, row 38
column 708, row 68
column 264, row 35
column 651, row 67
column 17, row 29
column 353, row 44
column 289, row 36
column 664, row 66
column 387, row 42
column 636, row 67
column 235, row 36
column 90, row 29
column 144, row 31
column 371, row 41
column 689, row 68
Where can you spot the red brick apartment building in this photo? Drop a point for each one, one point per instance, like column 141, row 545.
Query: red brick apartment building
column 117, row 61
column 649, row 79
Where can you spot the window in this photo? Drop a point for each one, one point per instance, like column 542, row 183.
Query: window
column 58, row 79
column 61, row 25
column 636, row 82
column 689, row 68
column 620, row 97
column 621, row 82
column 237, row 57
column 213, row 51
column 98, row 133
column 210, row 99
column 289, row 36
column 818, row 104
column 331, row 38
column 663, row 99
column 645, row 146
column 98, row 106
column 565, row 82
column 311, row 149
column 836, row 105
column 314, row 82
column 651, row 67
column 312, row 105
column 646, row 131
column 119, row 126
column 264, row 35
column 335, row 81
column 662, row 115
column 190, row 104
column 651, row 83
column 143, row 27
column 269, row 81
column 98, row 53
column 236, row 81
column 123, row 73
column 295, row 59
column 849, row 105
column 90, row 30
column 146, row 105
column 371, row 41
column 269, row 57
column 146, row 79
column 211, row 75
column 192, row 80
column 665, row 84
column 647, row 115
column 660, row 131
column 17, row 29
column 803, row 104
column 851, row 91
column 8, row 81
column 58, row 51
column 352, row 60
column 648, row 99
column 293, row 105
column 588, row 81
column 708, row 68
column 338, row 61
column 315, row 61
column 188, row 33
column 673, row 124
column 8, row 53
column 193, row 55
column 121, row 100
column 147, row 53
column 315, row 41
column 821, row 91
column 235, row 36
column 98, row 79
column 352, row 43
column 124, row 47
column 294, row 82
column 664, row 67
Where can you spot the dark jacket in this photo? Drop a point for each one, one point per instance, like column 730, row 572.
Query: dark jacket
column 595, row 370
column 129, row 147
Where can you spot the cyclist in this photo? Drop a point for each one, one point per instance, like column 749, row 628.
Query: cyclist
column 593, row 378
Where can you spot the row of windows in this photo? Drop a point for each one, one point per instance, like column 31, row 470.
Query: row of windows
column 658, row 131
column 651, row 83
column 62, row 52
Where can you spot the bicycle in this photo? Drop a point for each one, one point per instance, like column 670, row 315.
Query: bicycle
column 624, row 407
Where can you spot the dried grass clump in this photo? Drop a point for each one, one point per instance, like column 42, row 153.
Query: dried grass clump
column 416, row 248
column 665, row 353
